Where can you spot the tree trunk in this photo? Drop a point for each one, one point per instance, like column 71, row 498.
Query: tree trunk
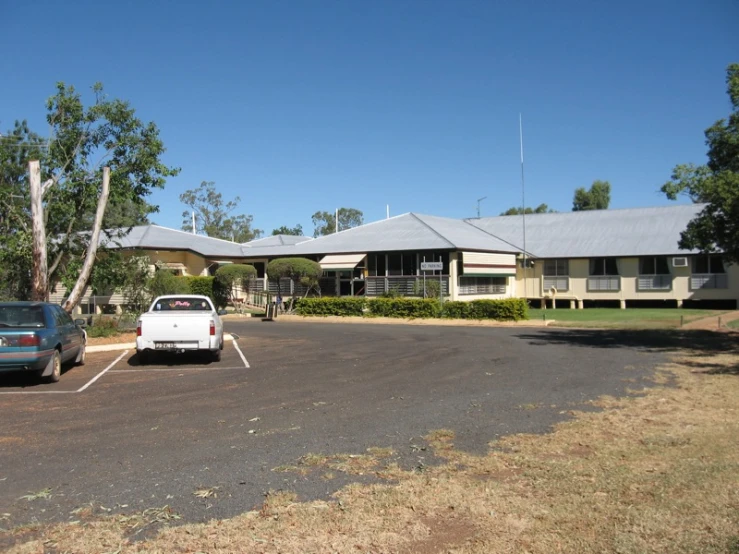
column 74, row 297
column 40, row 276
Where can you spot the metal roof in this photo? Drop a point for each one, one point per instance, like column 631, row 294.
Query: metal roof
column 276, row 240
column 404, row 232
column 623, row 232
column 154, row 237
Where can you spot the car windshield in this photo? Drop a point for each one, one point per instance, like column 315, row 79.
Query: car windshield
column 22, row 316
column 182, row 305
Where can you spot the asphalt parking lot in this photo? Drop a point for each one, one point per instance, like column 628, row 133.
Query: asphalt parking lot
column 147, row 436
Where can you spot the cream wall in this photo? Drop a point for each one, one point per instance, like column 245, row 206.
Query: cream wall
column 579, row 270
column 454, row 280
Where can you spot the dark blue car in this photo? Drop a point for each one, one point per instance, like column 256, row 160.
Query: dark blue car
column 39, row 337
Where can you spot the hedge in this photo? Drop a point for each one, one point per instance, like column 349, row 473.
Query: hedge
column 203, row 286
column 342, row 306
column 406, row 308
column 509, row 309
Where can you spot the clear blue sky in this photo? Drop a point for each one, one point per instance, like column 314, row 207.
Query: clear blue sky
column 298, row 106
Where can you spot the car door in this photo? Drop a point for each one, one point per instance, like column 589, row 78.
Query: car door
column 67, row 333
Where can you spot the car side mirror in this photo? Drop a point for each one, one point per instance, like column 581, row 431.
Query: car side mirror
column 80, row 323
column 222, row 312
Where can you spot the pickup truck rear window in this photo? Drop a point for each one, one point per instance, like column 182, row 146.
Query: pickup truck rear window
column 182, row 305
column 22, row 317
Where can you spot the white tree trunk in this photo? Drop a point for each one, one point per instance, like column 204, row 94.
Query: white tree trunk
column 40, row 284
column 74, row 297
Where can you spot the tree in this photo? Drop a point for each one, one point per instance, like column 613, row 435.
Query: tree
column 597, row 198
column 93, row 156
column 213, row 215
column 285, row 230
column 299, row 270
column 325, row 222
column 540, row 209
column 716, row 228
column 232, row 277
column 165, row 282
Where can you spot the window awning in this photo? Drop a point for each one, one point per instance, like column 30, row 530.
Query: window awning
column 341, row 262
column 174, row 265
column 486, row 264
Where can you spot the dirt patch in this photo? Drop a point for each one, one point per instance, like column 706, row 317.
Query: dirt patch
column 713, row 323
column 444, row 533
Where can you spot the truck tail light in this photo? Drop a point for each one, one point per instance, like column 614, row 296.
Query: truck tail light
column 138, row 328
column 29, row 340
column 212, row 328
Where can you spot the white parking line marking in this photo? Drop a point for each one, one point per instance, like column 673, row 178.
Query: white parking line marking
column 173, row 369
column 243, row 358
column 103, row 372
column 38, row 392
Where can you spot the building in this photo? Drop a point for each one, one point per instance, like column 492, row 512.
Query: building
column 623, row 258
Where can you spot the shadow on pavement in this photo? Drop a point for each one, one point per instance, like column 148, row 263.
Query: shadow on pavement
column 167, row 359
column 651, row 340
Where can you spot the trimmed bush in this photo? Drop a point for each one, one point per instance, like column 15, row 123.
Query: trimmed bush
column 454, row 309
column 508, row 309
column 342, row 306
column 103, row 327
column 202, row 286
column 406, row 308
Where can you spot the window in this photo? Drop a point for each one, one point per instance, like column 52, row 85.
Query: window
column 557, row 268
column 395, row 264
column 21, row 316
column 183, row 305
column 708, row 264
column 603, row 266
column 654, row 265
column 482, row 285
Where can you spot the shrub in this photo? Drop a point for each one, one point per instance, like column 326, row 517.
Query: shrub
column 428, row 289
column 407, row 308
column 508, row 309
column 203, row 286
column 165, row 282
column 341, row 306
column 456, row 310
column 230, row 277
column 103, row 327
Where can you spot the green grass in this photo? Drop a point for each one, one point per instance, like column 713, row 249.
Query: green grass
column 628, row 318
column 733, row 324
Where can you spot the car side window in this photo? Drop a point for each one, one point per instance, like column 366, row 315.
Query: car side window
column 58, row 317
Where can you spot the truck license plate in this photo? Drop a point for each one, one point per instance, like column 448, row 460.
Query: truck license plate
column 164, row 345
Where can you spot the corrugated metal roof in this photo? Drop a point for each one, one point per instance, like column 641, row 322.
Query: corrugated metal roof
column 626, row 232
column 154, row 237
column 404, row 232
column 276, row 240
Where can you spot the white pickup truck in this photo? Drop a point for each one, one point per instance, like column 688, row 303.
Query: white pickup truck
column 180, row 323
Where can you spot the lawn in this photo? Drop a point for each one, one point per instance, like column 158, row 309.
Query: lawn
column 614, row 317
column 733, row 324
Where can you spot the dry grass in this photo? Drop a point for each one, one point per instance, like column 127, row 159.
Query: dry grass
column 653, row 473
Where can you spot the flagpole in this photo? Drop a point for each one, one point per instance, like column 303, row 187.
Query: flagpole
column 523, row 207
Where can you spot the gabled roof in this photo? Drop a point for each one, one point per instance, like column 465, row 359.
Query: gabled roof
column 276, row 240
column 623, row 232
column 404, row 232
column 154, row 237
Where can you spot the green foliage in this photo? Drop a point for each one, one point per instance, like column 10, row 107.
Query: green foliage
column 231, row 277
column 299, row 270
column 428, row 289
column 325, row 222
column 716, row 228
column 540, row 209
column 406, row 308
column 597, row 198
column 285, row 230
column 341, row 306
column 83, row 139
column 164, row 282
column 103, row 327
column 213, row 215
column 203, row 286
column 136, row 284
column 508, row 309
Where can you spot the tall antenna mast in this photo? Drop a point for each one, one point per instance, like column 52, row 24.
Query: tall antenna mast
column 478, row 205
column 523, row 207
column 194, row 232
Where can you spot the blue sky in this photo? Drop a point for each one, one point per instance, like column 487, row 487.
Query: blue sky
column 299, row 106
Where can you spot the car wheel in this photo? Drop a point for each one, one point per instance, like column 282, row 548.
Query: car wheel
column 81, row 355
column 216, row 355
column 54, row 367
